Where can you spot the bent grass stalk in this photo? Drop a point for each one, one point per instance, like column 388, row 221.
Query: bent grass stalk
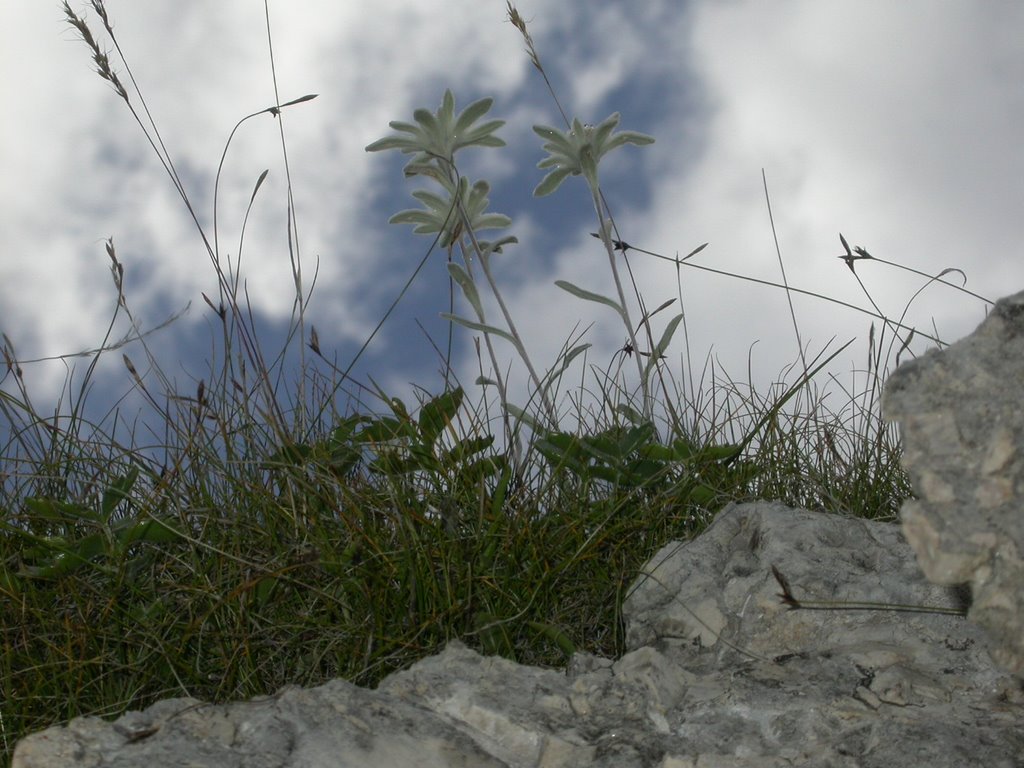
column 787, row 597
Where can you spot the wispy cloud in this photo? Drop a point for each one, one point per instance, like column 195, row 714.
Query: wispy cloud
column 897, row 124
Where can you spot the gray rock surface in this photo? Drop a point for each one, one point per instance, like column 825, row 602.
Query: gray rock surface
column 720, row 673
column 961, row 415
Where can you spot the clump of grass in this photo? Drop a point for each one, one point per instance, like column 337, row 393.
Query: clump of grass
column 239, row 537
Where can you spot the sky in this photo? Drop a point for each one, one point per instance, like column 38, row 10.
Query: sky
column 897, row 124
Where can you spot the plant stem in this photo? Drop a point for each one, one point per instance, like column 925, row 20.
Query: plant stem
column 602, row 228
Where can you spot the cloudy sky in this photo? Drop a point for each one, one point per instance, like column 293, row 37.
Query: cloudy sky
column 897, row 124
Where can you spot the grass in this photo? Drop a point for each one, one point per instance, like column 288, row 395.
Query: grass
column 272, row 529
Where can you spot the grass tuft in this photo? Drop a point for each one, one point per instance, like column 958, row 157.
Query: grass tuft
column 256, row 527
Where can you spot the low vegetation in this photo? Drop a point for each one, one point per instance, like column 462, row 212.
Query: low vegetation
column 276, row 534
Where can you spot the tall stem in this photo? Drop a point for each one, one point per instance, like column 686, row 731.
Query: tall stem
column 502, row 388
column 603, row 229
column 520, row 347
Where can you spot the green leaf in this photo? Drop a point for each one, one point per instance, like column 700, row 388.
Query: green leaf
column 398, row 408
column 643, row 473
column 460, row 276
column 554, row 137
column 447, row 110
column 717, row 452
column 436, row 137
column 482, row 327
column 580, row 150
column 487, row 247
column 575, row 290
column 628, row 137
column 491, row 221
column 636, row 437
column 385, row 430
column 117, row 492
column 461, row 452
column 66, row 557
column 438, row 413
column 610, row 475
column 434, row 201
column 659, row 453
column 152, row 530
column 461, row 209
column 662, row 345
column 500, row 492
column 425, row 221
column 520, row 415
column 551, row 377
column 630, row 413
column 429, row 123
column 551, row 182
column 601, row 132
column 342, row 446
column 683, row 449
column 480, row 136
column 60, row 511
column 428, row 169
column 702, row 495
column 404, row 143
column 471, row 114
column 562, row 451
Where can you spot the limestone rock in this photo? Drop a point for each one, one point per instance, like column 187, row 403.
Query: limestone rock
column 336, row 724
column 822, row 687
column 961, row 415
column 719, row 673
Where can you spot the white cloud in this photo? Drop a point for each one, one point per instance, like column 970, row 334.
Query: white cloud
column 896, row 124
column 850, row 111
